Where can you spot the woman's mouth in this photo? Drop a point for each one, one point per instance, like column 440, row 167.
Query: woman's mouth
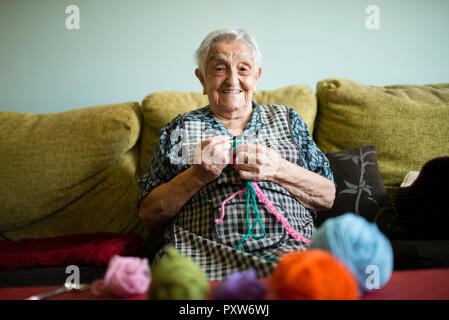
column 232, row 91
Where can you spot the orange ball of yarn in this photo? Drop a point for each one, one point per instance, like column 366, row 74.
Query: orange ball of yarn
column 313, row 275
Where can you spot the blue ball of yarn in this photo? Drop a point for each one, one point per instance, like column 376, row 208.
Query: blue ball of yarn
column 360, row 246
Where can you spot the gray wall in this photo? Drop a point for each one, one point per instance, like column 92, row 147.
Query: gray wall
column 125, row 50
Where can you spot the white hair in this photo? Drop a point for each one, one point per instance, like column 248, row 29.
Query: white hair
column 216, row 36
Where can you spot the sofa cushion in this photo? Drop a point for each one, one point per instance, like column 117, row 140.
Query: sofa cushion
column 161, row 107
column 407, row 123
column 360, row 188
column 70, row 172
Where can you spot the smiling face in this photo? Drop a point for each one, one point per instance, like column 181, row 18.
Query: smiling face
column 231, row 76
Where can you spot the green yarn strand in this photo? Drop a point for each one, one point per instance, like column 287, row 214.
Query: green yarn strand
column 250, row 196
column 259, row 221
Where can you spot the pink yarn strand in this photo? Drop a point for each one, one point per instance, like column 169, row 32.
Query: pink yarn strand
column 219, row 220
column 295, row 234
column 279, row 216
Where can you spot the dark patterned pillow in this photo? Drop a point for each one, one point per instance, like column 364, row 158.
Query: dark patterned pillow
column 360, row 188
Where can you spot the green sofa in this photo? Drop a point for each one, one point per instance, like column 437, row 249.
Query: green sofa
column 77, row 171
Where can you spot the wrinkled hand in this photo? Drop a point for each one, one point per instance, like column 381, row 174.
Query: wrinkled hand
column 211, row 157
column 257, row 162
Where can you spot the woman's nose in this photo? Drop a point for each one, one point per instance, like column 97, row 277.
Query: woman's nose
column 231, row 78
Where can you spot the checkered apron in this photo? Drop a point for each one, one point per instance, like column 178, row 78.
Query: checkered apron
column 213, row 246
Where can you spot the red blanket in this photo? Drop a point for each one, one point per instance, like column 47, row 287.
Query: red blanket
column 93, row 249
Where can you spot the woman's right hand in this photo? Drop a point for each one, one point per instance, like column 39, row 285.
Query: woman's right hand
column 211, row 157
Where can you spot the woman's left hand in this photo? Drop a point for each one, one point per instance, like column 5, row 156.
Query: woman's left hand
column 260, row 163
column 257, row 162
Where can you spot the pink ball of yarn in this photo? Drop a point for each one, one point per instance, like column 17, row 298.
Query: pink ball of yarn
column 125, row 276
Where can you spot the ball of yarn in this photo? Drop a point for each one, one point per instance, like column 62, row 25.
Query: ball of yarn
column 175, row 277
column 313, row 275
column 125, row 276
column 241, row 286
column 360, row 245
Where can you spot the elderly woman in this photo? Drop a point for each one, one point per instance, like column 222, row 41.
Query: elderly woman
column 236, row 141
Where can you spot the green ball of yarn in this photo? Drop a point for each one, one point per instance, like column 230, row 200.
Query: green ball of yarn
column 176, row 277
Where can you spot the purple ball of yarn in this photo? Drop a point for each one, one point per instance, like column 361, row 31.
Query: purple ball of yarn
column 241, row 286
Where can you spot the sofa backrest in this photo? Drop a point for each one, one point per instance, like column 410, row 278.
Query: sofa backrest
column 160, row 108
column 409, row 124
column 76, row 171
column 70, row 172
